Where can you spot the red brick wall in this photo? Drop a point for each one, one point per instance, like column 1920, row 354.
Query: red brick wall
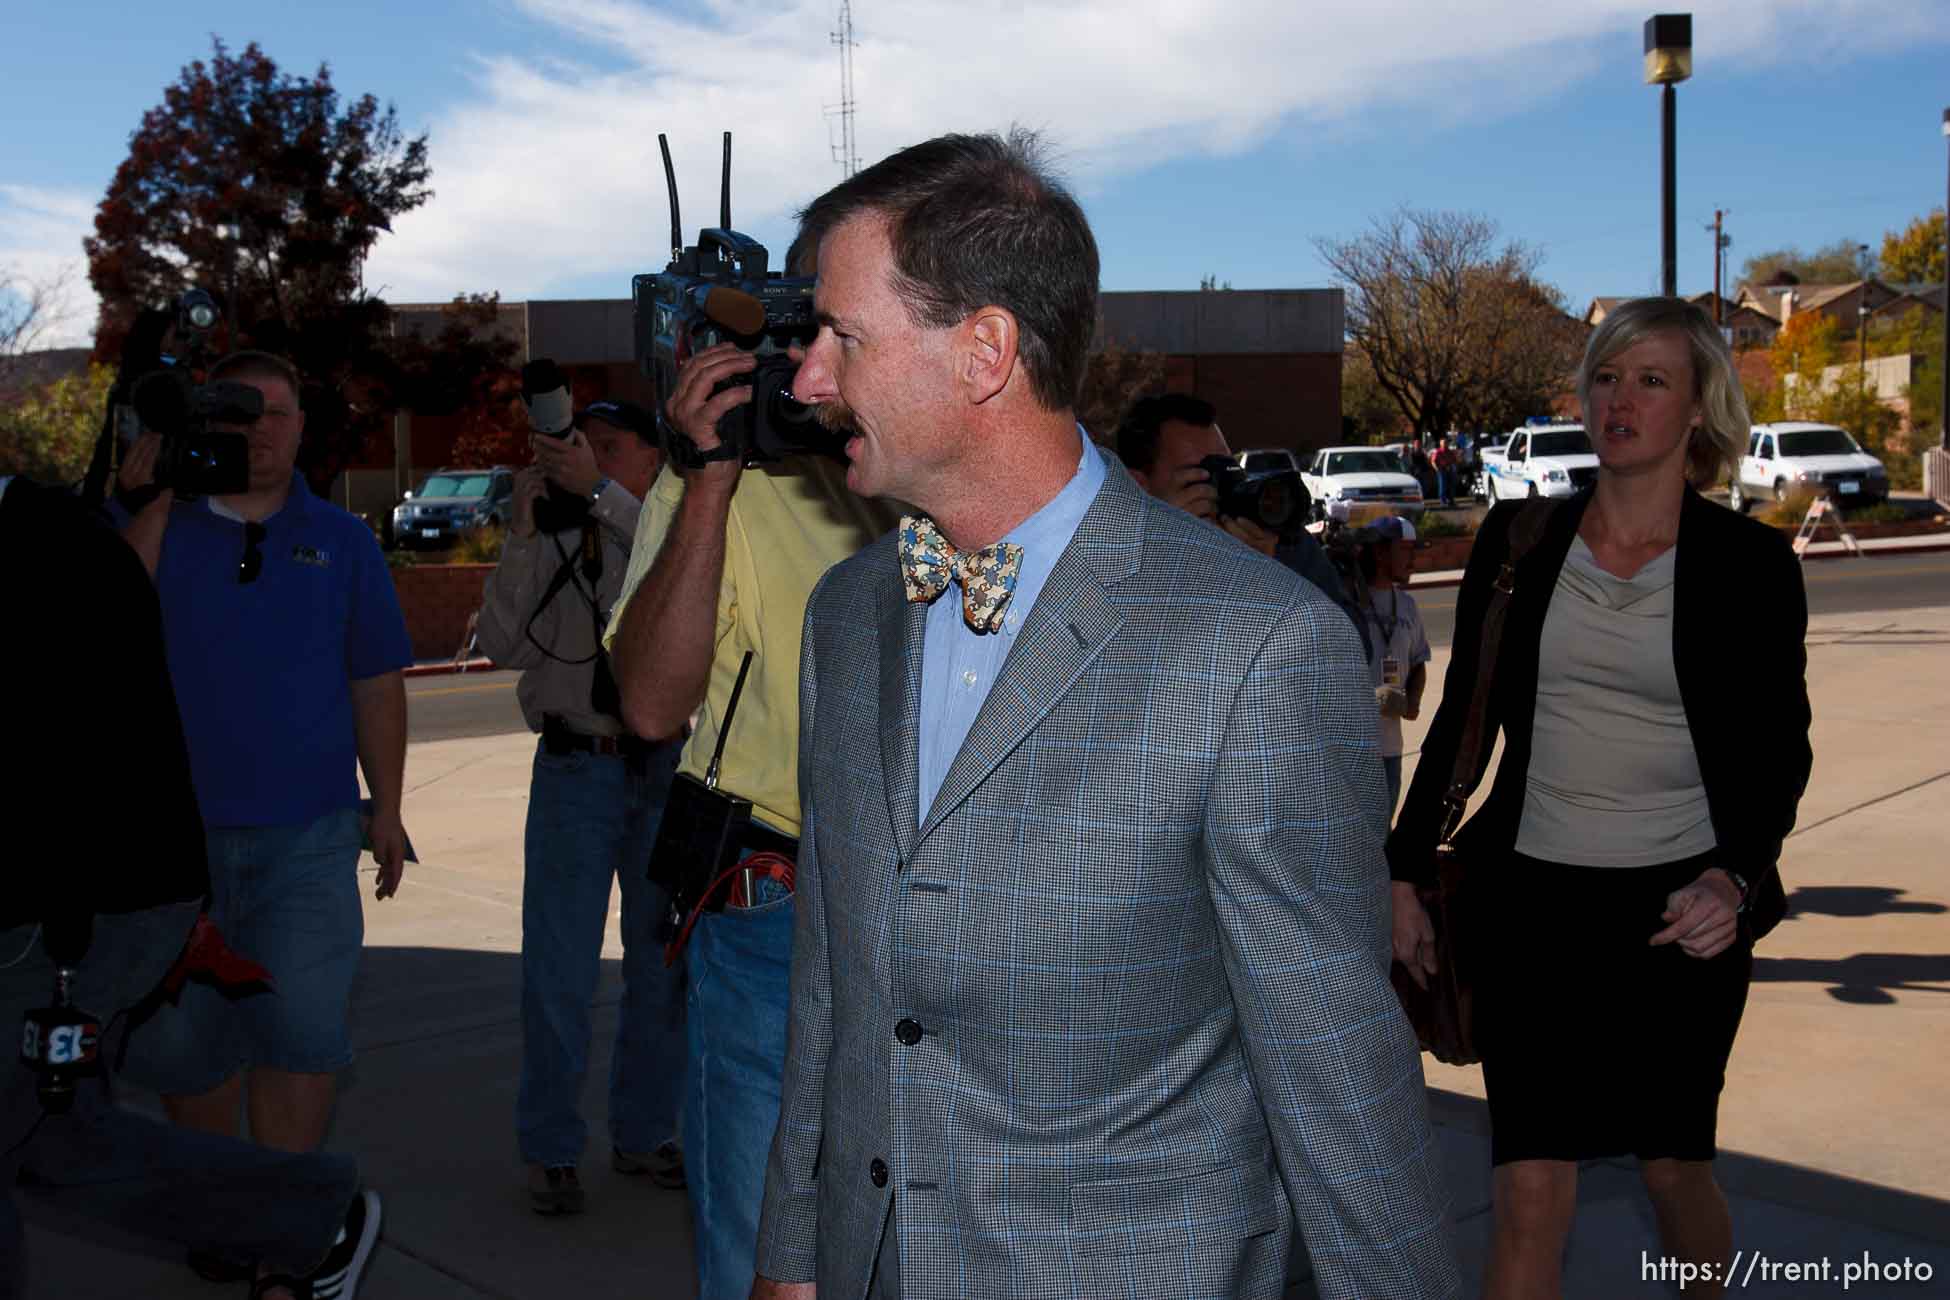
column 437, row 599
column 1290, row 399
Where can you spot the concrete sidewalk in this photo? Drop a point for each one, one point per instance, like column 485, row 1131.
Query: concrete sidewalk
column 1833, row 1129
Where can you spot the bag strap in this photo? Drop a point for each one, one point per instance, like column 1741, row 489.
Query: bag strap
column 1472, row 753
column 724, row 728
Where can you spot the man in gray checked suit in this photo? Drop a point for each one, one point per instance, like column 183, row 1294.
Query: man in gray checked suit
column 1090, row 989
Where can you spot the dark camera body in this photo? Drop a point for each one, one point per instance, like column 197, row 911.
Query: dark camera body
column 721, row 291
column 194, row 461
column 1275, row 499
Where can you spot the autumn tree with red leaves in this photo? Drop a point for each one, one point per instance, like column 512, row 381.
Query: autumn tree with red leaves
column 269, row 191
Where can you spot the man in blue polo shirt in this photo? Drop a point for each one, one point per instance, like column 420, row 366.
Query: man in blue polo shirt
column 285, row 646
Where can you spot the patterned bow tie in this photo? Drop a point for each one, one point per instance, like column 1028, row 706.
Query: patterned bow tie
column 987, row 576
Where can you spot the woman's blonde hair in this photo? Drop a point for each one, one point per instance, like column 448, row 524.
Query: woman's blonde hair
column 1720, row 441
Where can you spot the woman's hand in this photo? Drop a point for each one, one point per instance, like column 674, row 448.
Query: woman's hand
column 1414, row 937
column 1704, row 916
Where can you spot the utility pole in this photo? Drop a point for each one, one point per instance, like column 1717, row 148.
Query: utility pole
column 1720, row 242
column 845, row 152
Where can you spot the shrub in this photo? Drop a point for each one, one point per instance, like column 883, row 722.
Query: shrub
column 1435, row 525
column 1882, row 512
column 1788, row 513
column 478, row 546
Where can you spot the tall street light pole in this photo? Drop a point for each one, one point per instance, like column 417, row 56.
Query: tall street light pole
column 1668, row 61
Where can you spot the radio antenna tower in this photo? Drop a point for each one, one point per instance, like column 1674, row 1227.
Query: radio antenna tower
column 845, row 153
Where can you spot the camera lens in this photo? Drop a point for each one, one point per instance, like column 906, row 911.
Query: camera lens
column 202, row 315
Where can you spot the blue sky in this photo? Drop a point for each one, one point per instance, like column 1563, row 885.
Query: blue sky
column 1217, row 138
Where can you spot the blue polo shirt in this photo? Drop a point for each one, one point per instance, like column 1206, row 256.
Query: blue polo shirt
column 263, row 669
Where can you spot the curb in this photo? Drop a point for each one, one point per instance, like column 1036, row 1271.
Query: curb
column 1453, row 577
column 442, row 669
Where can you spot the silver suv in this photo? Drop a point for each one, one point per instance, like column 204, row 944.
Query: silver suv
column 451, row 501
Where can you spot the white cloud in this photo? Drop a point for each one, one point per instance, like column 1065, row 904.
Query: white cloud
column 550, row 171
column 40, row 245
column 546, row 173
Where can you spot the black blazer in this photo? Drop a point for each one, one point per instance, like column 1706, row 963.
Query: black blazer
column 1739, row 625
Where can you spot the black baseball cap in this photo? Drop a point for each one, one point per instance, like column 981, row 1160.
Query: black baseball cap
column 622, row 414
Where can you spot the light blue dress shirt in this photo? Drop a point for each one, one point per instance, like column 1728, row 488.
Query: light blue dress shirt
column 958, row 664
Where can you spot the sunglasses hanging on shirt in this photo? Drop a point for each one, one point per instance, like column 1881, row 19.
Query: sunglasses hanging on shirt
column 252, row 563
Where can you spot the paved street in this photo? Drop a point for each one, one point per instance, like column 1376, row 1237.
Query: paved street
column 483, row 703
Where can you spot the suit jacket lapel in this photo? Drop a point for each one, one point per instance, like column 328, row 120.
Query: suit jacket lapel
column 902, row 627
column 1072, row 619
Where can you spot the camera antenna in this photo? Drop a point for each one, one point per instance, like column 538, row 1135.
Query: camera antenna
column 670, row 184
column 724, row 187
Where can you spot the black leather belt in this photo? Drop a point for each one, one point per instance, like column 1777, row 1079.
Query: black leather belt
column 558, row 739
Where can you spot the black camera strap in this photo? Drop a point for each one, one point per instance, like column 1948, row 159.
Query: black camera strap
column 590, row 556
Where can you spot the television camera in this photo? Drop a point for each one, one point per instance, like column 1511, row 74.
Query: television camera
column 722, row 289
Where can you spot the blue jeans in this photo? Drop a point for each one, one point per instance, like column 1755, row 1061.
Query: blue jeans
column 1391, row 768
column 115, row 1167
column 741, row 983
column 287, row 897
column 591, row 818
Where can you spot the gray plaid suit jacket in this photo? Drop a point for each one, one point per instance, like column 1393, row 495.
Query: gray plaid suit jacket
column 1143, row 933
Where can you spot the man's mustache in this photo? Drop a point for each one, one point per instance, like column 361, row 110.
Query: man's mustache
column 834, row 417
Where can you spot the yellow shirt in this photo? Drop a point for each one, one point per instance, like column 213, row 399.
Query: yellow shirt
column 801, row 518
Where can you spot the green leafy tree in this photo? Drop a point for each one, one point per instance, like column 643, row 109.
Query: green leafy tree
column 1368, row 414
column 1914, row 254
column 1838, row 263
column 270, row 191
column 1808, row 344
column 49, row 433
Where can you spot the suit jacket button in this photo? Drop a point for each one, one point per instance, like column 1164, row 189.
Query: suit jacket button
column 877, row 1172
column 908, row 1032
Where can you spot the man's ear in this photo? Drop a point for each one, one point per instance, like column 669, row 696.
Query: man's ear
column 988, row 354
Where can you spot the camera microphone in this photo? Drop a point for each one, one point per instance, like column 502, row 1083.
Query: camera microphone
column 545, row 392
column 734, row 309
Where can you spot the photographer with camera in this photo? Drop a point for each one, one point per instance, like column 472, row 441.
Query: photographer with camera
column 1165, row 441
column 594, row 799
column 725, row 560
column 1398, row 644
column 285, row 645
column 93, row 911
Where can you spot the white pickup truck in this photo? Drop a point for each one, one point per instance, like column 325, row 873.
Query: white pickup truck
column 1796, row 457
column 1544, row 460
column 1363, row 476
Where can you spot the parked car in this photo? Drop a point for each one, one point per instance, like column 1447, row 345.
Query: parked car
column 1783, row 459
column 1364, row 476
column 451, row 501
column 1543, row 460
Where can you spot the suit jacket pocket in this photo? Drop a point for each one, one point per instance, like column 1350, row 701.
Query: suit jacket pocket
column 1176, row 1214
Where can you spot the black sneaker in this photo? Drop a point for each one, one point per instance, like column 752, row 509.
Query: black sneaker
column 345, row 1263
column 555, row 1190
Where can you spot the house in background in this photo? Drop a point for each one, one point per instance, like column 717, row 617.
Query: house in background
column 1747, row 326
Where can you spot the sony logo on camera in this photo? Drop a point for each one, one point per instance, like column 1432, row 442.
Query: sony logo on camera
column 722, row 290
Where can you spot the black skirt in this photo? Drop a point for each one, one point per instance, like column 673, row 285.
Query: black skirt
column 1595, row 1043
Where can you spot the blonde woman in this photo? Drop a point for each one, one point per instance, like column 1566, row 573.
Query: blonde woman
column 1627, row 851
